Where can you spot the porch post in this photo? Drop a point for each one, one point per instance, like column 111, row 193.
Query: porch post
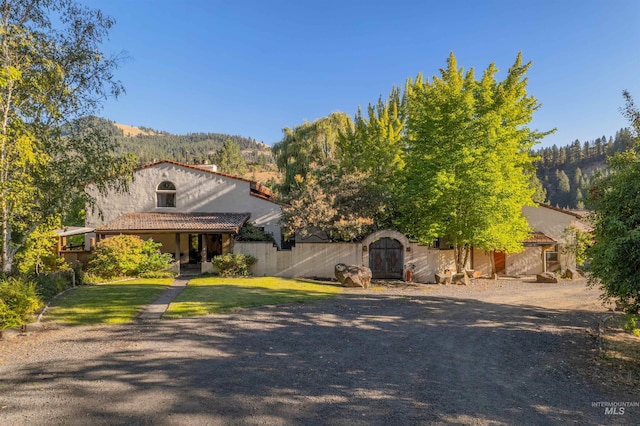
column 178, row 247
column 203, row 248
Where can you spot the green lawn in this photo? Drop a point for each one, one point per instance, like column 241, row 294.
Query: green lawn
column 112, row 303
column 214, row 294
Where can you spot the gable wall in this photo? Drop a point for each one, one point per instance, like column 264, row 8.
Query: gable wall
column 196, row 192
column 548, row 221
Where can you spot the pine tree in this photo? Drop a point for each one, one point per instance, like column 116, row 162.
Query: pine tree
column 230, row 161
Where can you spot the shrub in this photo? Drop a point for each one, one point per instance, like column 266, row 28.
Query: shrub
column 234, row 265
column 18, row 302
column 631, row 324
column 127, row 255
column 50, row 285
column 250, row 232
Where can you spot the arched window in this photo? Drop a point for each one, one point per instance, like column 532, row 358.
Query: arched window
column 166, row 194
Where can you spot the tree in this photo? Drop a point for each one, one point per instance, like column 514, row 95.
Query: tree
column 230, row 160
column 52, row 73
column 539, row 193
column 468, row 167
column 335, row 205
column 615, row 254
column 564, row 188
column 307, row 144
column 374, row 148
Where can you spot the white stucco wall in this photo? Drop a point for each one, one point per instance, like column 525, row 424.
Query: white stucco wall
column 303, row 260
column 549, row 221
column 527, row 262
column 196, row 192
column 319, row 259
column 482, row 261
column 554, row 224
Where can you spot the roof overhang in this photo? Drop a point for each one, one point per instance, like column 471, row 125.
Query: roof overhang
column 69, row 231
column 154, row 223
column 539, row 239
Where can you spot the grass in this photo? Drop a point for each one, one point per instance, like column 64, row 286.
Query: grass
column 620, row 362
column 214, row 294
column 112, row 303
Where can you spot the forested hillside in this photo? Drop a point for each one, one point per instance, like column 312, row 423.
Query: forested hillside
column 150, row 145
column 566, row 172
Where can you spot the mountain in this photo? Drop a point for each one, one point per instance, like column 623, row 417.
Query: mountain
column 151, row 145
column 567, row 172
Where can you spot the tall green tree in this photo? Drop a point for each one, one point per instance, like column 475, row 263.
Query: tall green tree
column 52, row 73
column 468, row 166
column 374, row 149
column 307, row 144
column 614, row 200
column 229, row 160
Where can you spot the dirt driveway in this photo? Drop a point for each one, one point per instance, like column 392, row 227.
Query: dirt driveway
column 497, row 352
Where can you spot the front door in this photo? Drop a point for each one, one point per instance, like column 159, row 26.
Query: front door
column 386, row 259
column 499, row 260
column 195, row 242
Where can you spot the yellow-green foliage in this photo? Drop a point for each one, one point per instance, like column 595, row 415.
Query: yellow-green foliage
column 127, row 255
column 18, row 302
column 466, row 176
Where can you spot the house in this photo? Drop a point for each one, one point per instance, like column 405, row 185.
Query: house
column 194, row 211
column 548, row 248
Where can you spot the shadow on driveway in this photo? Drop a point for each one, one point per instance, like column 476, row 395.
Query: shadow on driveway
column 354, row 359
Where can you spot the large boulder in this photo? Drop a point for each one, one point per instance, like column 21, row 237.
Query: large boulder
column 443, row 278
column 547, row 277
column 353, row 275
column 461, row 278
column 572, row 274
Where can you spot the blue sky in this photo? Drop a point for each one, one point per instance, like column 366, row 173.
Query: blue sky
column 253, row 67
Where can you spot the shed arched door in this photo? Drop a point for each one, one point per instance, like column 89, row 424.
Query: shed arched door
column 386, row 259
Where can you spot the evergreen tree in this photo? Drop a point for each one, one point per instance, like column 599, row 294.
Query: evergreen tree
column 230, row 161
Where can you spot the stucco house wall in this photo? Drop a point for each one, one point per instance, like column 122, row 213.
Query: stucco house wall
column 554, row 223
column 527, row 262
column 197, row 191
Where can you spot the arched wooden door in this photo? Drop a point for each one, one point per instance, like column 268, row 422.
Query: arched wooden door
column 386, row 259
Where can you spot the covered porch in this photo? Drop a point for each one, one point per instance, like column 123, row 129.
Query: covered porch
column 193, row 239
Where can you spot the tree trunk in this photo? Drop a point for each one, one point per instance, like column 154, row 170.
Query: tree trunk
column 7, row 250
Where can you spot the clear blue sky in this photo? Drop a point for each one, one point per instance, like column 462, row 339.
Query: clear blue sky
column 253, row 67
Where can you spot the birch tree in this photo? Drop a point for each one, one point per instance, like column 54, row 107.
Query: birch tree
column 52, row 74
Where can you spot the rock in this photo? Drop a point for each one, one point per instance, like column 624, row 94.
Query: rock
column 461, row 278
column 571, row 274
column 353, row 275
column 443, row 278
column 547, row 277
column 472, row 273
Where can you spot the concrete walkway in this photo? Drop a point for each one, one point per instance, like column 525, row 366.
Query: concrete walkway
column 155, row 310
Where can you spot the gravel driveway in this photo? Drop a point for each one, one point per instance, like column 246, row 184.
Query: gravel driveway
column 496, row 352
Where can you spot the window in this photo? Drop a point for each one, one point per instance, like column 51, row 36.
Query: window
column 166, row 194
